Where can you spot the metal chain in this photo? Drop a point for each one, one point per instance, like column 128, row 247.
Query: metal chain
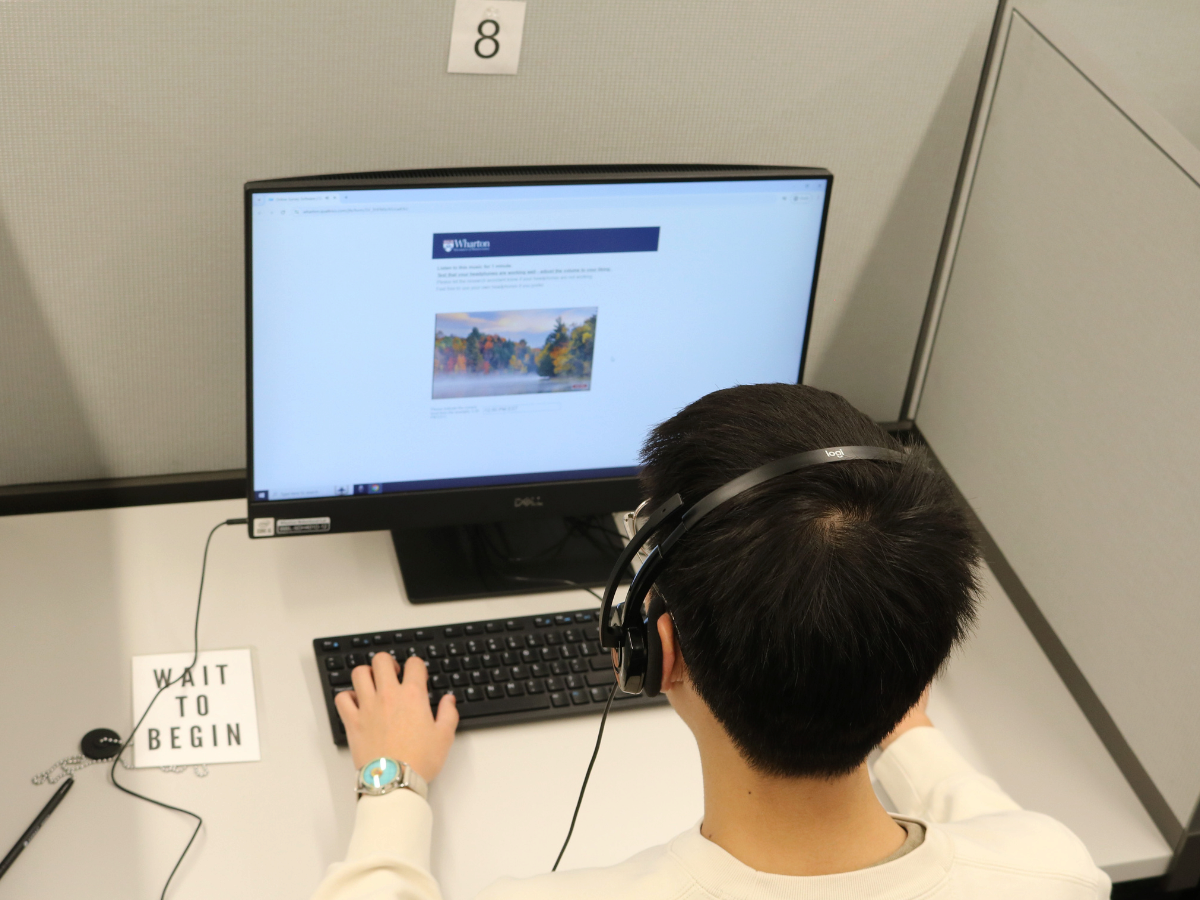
column 69, row 765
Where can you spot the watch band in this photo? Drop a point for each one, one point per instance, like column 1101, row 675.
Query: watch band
column 383, row 775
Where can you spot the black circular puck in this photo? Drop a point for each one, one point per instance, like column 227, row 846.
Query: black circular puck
column 100, row 743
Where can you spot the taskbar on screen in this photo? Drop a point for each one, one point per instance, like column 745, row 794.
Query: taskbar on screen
column 437, row 484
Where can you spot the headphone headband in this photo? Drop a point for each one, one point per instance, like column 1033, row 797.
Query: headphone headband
column 673, row 512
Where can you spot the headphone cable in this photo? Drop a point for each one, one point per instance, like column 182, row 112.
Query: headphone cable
column 112, row 772
column 586, row 776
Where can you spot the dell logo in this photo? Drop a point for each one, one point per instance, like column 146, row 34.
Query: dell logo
column 519, row 502
column 837, row 453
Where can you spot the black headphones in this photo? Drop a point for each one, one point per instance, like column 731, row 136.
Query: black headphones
column 632, row 631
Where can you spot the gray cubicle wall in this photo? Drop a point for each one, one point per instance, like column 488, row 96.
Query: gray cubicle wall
column 1061, row 394
column 130, row 126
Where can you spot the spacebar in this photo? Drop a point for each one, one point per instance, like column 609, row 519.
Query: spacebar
column 500, row 707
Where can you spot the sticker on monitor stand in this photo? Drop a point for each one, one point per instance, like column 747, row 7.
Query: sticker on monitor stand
column 302, row 526
column 264, row 527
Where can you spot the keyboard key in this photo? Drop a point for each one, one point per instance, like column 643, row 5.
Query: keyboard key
column 513, row 689
column 341, row 676
column 558, row 698
column 572, row 636
column 473, row 693
column 586, row 649
column 599, row 694
column 495, row 645
column 473, row 629
column 563, row 620
column 479, row 677
column 453, row 648
column 475, row 646
column 567, row 652
column 533, row 686
column 460, row 695
column 549, row 653
column 333, row 662
column 505, row 706
column 512, row 642
column 439, row 681
column 469, row 662
column 578, row 666
column 330, row 644
column 499, row 674
column 355, row 659
column 552, row 638
column 600, row 663
column 558, row 668
column 534, row 640
column 494, row 691
column 380, row 640
column 599, row 679
column 490, row 661
column 574, row 682
column 452, row 631
column 460, row 679
column 538, row 670
column 423, row 634
column 401, row 637
column 518, row 673
column 514, row 624
column 509, row 658
column 579, row 698
column 432, row 651
column 585, row 617
column 410, row 650
column 553, row 684
column 543, row 621
column 528, row 657
column 450, row 664
column 493, row 627
column 360, row 641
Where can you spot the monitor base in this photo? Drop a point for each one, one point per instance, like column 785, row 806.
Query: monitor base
column 523, row 556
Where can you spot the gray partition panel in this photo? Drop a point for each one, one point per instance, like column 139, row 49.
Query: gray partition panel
column 130, row 126
column 1062, row 385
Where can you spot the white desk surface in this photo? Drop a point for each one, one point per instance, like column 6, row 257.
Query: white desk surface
column 81, row 592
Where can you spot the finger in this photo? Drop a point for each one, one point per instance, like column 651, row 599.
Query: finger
column 383, row 668
column 347, row 706
column 416, row 676
column 363, row 680
column 447, row 713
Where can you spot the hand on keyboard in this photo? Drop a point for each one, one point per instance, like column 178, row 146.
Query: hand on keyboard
column 385, row 716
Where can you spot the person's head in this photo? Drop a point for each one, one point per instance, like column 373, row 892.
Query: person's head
column 812, row 610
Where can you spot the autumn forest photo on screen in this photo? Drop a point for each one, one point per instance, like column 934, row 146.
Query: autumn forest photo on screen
column 523, row 351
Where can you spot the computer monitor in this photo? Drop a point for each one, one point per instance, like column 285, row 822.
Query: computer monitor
column 431, row 350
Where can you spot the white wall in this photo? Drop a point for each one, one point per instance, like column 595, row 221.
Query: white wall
column 130, row 126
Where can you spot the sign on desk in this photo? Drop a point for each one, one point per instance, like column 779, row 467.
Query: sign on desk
column 206, row 716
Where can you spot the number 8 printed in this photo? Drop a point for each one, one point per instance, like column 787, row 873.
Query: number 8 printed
column 484, row 36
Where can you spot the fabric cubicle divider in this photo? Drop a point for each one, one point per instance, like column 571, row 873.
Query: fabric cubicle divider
column 1054, row 385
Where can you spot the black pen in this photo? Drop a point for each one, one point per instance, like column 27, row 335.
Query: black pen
column 37, row 823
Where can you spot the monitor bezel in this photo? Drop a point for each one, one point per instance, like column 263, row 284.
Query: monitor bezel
column 486, row 503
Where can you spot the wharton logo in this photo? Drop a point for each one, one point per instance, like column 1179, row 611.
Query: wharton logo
column 556, row 242
column 461, row 245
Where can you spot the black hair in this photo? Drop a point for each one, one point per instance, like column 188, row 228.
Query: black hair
column 813, row 609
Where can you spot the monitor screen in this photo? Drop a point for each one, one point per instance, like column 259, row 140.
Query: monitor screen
column 424, row 338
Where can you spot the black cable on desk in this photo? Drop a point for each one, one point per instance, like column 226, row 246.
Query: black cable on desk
column 112, row 773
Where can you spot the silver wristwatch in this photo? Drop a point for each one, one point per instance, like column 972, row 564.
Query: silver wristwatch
column 383, row 775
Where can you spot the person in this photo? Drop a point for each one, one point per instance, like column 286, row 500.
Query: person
column 805, row 621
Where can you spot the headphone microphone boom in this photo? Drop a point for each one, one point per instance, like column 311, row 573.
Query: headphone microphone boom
column 633, row 631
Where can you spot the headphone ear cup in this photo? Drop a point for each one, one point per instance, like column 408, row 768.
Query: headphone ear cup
column 654, row 657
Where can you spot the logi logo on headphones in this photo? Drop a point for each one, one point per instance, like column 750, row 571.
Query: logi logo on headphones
column 840, row 454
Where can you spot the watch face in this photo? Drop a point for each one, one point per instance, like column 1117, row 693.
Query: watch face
column 379, row 772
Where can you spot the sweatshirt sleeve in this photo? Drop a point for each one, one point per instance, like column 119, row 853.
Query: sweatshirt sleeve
column 388, row 857
column 928, row 779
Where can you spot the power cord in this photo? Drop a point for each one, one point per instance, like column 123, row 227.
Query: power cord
column 586, row 775
column 112, row 772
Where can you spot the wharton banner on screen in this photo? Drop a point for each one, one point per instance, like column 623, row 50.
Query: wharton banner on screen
column 545, row 243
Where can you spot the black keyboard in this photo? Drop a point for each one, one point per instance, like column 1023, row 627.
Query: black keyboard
column 502, row 670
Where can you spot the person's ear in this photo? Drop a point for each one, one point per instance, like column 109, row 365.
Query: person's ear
column 672, row 662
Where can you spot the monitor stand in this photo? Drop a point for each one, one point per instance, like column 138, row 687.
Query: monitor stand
column 522, row 556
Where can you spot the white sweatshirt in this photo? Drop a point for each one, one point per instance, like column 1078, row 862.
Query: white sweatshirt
column 978, row 845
